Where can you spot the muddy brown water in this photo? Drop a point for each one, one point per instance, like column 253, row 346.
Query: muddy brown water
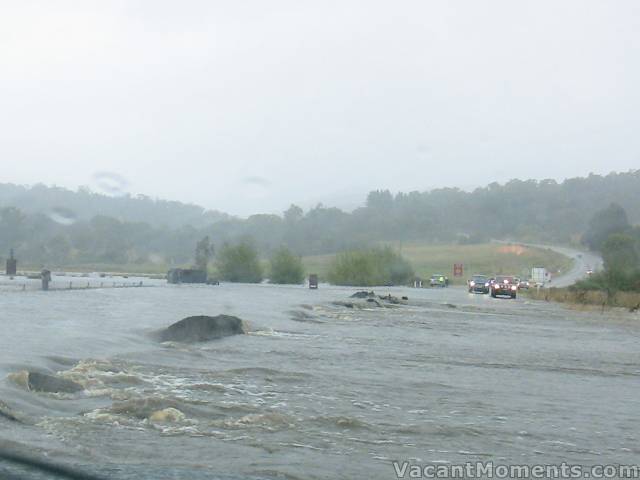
column 316, row 390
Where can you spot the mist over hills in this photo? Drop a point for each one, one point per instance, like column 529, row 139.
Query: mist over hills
column 86, row 204
column 56, row 226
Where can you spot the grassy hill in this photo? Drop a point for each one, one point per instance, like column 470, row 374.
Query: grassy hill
column 486, row 258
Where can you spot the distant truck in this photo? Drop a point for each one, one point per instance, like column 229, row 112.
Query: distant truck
column 539, row 276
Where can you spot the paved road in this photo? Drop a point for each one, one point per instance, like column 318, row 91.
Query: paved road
column 582, row 262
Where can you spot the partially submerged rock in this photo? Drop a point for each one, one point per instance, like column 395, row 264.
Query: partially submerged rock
column 41, row 382
column 375, row 302
column 202, row 328
column 359, row 304
column 7, row 413
column 340, row 303
column 363, row 294
column 302, row 316
column 167, row 415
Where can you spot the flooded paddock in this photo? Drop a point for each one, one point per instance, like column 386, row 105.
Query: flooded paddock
column 315, row 389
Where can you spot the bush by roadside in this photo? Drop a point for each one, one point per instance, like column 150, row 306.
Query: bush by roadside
column 375, row 266
column 599, row 298
column 285, row 267
column 239, row 263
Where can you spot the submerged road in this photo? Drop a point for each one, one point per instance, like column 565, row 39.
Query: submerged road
column 315, row 390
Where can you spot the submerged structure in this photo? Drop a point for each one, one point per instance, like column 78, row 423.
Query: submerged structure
column 186, row 275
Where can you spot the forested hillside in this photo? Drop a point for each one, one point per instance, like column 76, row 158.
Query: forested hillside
column 59, row 227
column 84, row 204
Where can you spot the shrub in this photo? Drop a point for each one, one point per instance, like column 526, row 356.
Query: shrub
column 619, row 253
column 621, row 266
column 376, row 266
column 239, row 263
column 286, row 267
column 611, row 281
column 604, row 223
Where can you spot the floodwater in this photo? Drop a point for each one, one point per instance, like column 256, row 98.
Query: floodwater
column 316, row 390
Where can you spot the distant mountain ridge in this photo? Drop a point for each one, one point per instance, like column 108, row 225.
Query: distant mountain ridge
column 85, row 204
column 56, row 226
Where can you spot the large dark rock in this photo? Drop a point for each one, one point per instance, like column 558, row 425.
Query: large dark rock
column 202, row 328
column 40, row 382
column 363, row 294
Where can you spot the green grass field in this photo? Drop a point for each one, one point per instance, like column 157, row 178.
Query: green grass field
column 488, row 258
column 426, row 259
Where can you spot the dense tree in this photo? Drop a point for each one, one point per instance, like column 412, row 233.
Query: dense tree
column 371, row 267
column 204, row 252
column 604, row 223
column 620, row 254
column 285, row 267
column 41, row 222
column 293, row 214
column 239, row 263
column 620, row 251
column 12, row 228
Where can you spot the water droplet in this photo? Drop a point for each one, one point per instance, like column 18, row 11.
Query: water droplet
column 111, row 183
column 62, row 215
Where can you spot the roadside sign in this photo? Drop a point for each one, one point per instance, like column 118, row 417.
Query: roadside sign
column 458, row 270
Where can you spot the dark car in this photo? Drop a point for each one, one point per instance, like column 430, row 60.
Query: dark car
column 505, row 286
column 478, row 284
column 524, row 285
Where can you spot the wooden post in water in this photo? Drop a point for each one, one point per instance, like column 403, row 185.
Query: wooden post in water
column 46, row 278
column 313, row 281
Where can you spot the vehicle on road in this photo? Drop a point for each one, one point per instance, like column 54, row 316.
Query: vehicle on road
column 539, row 276
column 438, row 280
column 504, row 286
column 524, row 284
column 478, row 284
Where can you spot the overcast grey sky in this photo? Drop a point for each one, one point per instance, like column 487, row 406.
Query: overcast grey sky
column 247, row 106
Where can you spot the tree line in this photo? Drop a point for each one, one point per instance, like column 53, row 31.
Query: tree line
column 611, row 234
column 53, row 226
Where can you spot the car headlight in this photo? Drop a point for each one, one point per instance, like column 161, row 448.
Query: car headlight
column 486, row 284
column 472, row 283
column 514, row 288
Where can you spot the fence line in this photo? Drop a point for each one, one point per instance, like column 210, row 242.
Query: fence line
column 71, row 285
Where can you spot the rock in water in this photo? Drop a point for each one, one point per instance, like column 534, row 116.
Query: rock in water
column 40, row 382
column 6, row 413
column 202, row 328
column 168, row 415
column 363, row 294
